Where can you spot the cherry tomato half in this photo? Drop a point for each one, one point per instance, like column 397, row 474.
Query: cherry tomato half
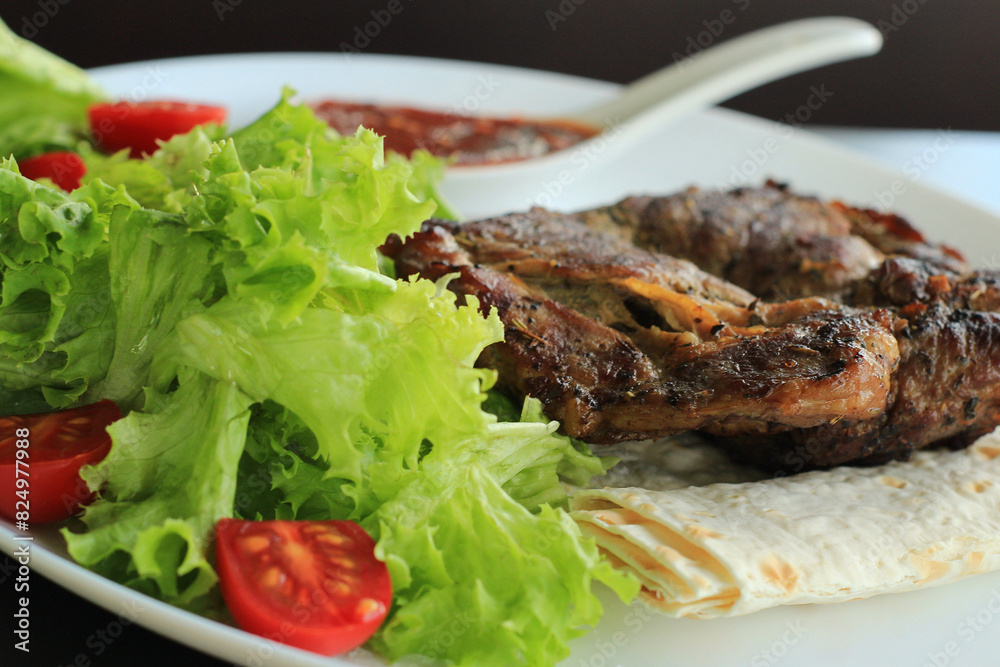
column 138, row 125
column 41, row 456
column 65, row 168
column 312, row 584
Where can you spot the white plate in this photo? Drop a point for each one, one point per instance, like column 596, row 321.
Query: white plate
column 950, row 625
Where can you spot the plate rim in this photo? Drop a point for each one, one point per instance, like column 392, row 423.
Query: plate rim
column 51, row 560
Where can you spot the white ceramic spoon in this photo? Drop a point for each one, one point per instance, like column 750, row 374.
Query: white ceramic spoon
column 654, row 101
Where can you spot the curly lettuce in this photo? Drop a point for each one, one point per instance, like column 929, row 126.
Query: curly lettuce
column 43, row 99
column 226, row 292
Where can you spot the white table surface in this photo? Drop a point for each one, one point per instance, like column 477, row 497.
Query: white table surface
column 962, row 162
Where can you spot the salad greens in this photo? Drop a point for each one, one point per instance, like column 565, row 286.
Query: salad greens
column 226, row 293
column 45, row 98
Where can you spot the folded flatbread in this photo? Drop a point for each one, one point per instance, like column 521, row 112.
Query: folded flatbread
column 830, row 536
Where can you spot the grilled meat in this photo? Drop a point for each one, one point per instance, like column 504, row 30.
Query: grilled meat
column 936, row 397
column 894, row 236
column 772, row 243
column 916, row 271
column 620, row 343
column 946, row 391
column 890, row 345
column 901, row 281
column 776, row 244
column 779, row 245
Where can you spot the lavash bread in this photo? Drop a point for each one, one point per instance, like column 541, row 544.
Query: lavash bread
column 829, row 536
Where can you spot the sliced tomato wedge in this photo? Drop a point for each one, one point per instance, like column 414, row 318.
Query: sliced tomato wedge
column 65, row 168
column 138, row 126
column 41, row 456
column 316, row 585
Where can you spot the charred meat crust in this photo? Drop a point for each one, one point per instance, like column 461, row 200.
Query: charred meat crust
column 901, row 281
column 890, row 344
column 766, row 240
column 774, row 243
column 650, row 345
column 946, row 391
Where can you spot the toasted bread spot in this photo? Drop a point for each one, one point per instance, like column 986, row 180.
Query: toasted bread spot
column 974, row 562
column 671, row 555
column 987, row 453
column 610, row 518
column 930, row 570
column 695, row 530
column 978, row 487
column 652, row 593
column 780, row 572
column 894, row 482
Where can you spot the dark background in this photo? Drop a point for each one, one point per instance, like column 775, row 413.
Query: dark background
column 939, row 68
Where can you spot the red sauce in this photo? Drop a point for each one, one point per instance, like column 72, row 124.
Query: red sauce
column 468, row 139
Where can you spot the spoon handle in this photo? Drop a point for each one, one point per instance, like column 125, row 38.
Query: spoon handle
column 735, row 66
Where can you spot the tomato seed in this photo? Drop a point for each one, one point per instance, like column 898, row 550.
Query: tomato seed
column 345, row 563
column 368, row 609
column 256, row 543
column 272, row 578
column 337, row 588
column 332, row 540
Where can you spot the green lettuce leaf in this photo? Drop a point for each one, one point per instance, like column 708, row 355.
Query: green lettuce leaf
column 226, row 292
column 470, row 535
column 170, row 475
column 159, row 274
column 164, row 180
column 372, row 387
column 510, row 586
column 43, row 99
column 56, row 316
column 362, row 197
